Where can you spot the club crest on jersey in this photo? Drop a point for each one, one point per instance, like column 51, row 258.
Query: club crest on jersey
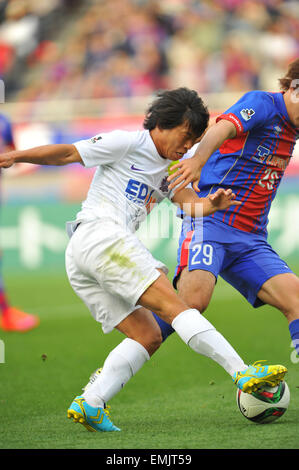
column 247, row 113
column 164, row 185
column 263, row 151
column 95, row 139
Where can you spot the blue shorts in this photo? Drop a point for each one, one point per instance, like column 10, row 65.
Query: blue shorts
column 244, row 260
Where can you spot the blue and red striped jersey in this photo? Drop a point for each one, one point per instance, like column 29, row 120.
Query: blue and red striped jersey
column 252, row 163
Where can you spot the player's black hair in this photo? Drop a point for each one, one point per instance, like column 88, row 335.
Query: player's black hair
column 174, row 107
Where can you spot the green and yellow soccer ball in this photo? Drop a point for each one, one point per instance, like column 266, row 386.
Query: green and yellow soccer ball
column 266, row 405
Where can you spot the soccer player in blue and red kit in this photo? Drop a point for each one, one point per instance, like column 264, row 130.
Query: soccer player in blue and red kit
column 11, row 318
column 248, row 150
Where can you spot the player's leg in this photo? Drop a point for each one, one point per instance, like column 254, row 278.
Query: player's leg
column 193, row 253
column 264, row 278
column 199, row 262
column 201, row 336
column 142, row 330
column 143, row 338
column 141, row 327
column 131, row 354
column 195, row 330
column 195, row 288
column 199, row 265
column 282, row 292
column 255, row 274
column 123, row 362
column 110, row 283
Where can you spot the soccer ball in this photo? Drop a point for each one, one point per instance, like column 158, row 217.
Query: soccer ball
column 266, row 405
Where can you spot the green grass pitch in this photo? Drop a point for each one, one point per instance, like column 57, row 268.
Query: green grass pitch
column 179, row 400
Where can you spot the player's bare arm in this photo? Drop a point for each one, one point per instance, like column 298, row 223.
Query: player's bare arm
column 57, row 154
column 189, row 170
column 194, row 206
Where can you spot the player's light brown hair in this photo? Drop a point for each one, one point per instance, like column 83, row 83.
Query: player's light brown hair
column 291, row 78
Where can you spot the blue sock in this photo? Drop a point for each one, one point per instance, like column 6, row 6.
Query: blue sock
column 294, row 331
column 165, row 328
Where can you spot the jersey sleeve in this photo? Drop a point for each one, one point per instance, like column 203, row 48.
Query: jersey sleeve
column 252, row 110
column 105, row 148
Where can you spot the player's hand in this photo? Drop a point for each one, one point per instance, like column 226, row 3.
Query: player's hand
column 185, row 172
column 223, row 199
column 6, row 160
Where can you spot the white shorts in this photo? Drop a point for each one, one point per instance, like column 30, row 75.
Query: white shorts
column 109, row 269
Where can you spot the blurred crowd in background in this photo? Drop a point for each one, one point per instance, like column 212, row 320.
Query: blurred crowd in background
column 112, row 48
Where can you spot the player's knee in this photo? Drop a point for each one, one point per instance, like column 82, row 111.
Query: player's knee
column 289, row 304
column 291, row 308
column 156, row 341
column 198, row 304
column 151, row 340
column 153, row 343
column 197, row 300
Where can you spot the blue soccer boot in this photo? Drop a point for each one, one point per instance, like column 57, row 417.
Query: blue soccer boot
column 93, row 419
column 258, row 375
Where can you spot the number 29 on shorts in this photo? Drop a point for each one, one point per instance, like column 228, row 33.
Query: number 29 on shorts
column 201, row 253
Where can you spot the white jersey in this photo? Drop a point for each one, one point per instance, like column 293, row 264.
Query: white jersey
column 130, row 179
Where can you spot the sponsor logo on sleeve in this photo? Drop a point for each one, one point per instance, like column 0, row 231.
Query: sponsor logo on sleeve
column 95, row 139
column 247, row 114
column 235, row 120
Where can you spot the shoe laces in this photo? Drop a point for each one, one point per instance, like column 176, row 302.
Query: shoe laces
column 259, row 363
column 107, row 411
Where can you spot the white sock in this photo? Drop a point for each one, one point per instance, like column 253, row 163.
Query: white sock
column 122, row 363
column 196, row 331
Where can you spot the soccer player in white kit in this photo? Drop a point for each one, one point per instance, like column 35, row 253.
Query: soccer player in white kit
column 111, row 270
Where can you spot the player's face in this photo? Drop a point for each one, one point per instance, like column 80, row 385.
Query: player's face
column 292, row 105
column 174, row 143
column 295, row 116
